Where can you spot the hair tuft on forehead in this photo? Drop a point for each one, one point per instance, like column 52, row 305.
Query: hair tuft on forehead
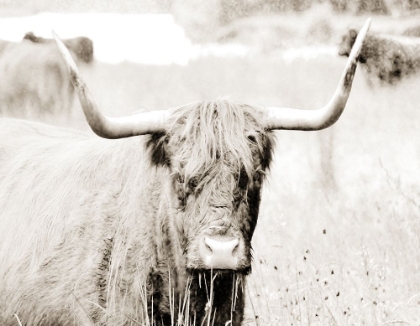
column 201, row 134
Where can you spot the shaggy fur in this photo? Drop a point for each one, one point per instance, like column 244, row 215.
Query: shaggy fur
column 106, row 231
column 34, row 80
column 386, row 59
column 81, row 46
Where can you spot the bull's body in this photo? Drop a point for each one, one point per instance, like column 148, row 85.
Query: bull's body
column 85, row 232
column 386, row 59
column 34, row 80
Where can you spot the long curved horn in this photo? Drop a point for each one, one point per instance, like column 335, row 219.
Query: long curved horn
column 133, row 125
column 295, row 119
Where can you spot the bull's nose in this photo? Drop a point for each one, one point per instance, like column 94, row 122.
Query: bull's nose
column 221, row 253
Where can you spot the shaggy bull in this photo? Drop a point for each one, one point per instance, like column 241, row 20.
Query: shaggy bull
column 33, row 80
column 152, row 226
column 81, row 46
column 385, row 58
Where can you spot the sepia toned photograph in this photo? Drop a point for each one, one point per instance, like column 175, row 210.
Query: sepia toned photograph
column 209, row 162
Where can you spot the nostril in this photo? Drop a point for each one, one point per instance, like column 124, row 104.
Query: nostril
column 208, row 248
column 235, row 249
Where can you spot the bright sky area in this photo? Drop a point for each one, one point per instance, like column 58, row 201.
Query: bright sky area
column 140, row 38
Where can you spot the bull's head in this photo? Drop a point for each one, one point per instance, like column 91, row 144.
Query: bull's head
column 346, row 45
column 347, row 42
column 217, row 153
column 82, row 47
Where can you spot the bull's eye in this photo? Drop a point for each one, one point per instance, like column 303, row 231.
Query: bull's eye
column 243, row 180
column 252, row 139
column 256, row 178
column 193, row 183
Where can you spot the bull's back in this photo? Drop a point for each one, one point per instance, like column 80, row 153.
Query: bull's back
column 58, row 204
column 34, row 78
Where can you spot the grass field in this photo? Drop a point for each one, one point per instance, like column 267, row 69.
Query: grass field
column 338, row 240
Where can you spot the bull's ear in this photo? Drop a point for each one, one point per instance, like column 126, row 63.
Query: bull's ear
column 157, row 144
column 353, row 33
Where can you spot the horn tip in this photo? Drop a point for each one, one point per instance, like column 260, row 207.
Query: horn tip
column 368, row 22
column 366, row 26
column 357, row 47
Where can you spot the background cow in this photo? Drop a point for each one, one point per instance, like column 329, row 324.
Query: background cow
column 34, row 82
column 386, row 59
column 81, row 46
column 153, row 229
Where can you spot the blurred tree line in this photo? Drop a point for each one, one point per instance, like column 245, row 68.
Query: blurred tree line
column 202, row 16
column 232, row 9
column 226, row 10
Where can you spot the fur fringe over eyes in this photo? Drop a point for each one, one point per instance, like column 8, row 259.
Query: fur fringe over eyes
column 199, row 135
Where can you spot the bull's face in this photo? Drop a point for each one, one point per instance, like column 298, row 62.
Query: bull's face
column 82, row 48
column 217, row 153
column 347, row 41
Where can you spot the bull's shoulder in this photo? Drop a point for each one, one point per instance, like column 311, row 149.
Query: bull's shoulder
column 50, row 147
column 28, row 54
column 30, row 129
column 18, row 135
column 34, row 139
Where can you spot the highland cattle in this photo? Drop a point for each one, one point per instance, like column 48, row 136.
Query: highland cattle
column 386, row 59
column 150, row 223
